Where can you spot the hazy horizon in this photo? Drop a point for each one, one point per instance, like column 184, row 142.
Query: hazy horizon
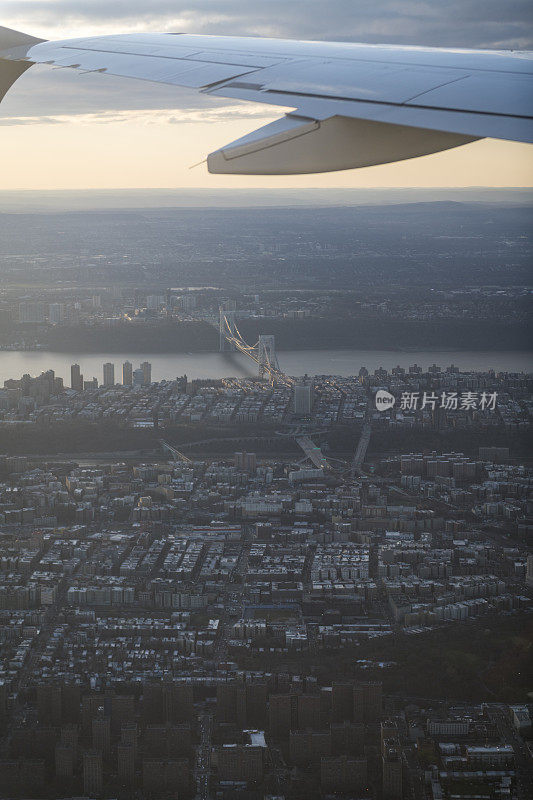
column 34, row 200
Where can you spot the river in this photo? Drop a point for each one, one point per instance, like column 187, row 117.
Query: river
column 167, row 366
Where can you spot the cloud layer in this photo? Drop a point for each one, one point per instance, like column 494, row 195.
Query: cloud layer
column 464, row 23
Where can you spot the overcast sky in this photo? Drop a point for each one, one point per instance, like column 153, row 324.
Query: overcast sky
column 467, row 23
column 57, row 111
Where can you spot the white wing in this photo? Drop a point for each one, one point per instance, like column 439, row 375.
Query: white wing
column 354, row 105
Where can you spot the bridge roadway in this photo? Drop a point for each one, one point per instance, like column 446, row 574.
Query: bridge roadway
column 364, row 441
column 313, row 452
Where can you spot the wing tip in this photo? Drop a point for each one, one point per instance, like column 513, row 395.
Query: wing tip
column 10, row 38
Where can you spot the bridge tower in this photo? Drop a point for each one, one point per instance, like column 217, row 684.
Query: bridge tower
column 268, row 359
column 227, row 318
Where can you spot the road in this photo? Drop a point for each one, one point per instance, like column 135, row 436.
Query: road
column 499, row 714
column 203, row 757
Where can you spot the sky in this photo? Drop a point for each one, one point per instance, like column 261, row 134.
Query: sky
column 63, row 130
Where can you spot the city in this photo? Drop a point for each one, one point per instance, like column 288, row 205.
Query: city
column 268, row 594
column 266, row 400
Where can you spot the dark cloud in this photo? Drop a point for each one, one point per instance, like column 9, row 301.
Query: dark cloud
column 465, row 23
column 448, row 23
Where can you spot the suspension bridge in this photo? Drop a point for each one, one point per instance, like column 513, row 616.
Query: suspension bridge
column 263, row 352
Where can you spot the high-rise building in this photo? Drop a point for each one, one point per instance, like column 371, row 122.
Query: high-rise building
column 392, row 771
column 155, row 301
column 341, row 702
column 282, row 715
column 308, row 747
column 101, row 729
column 3, row 703
column 31, row 313
column 127, row 373
column 162, row 775
column 167, row 703
column 529, row 573
column 187, row 302
column 138, row 377
column 126, row 763
column 343, row 774
column 309, row 712
column 122, row 711
column 76, row 378
column 240, row 762
column 129, row 734
column 109, row 374
column 71, row 701
column 246, row 462
column 147, row 373
column 367, row 701
column 303, row 399
column 391, row 759
column 92, row 773
column 56, row 312
column 65, row 760
column 69, row 736
column 49, row 704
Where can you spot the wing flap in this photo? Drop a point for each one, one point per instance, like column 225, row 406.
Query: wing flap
column 295, row 145
column 384, row 83
column 503, row 95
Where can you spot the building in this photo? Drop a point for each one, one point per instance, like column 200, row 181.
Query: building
column 155, row 301
column 65, row 759
column 76, row 378
column 55, row 313
column 529, row 573
column 303, row 399
column 187, row 302
column 246, row 462
column 343, row 774
column 282, row 715
column 147, row 373
column 309, row 712
column 127, row 373
column 162, row 775
column 126, row 763
column 308, row 747
column 49, row 704
column 101, row 730
column 138, row 377
column 391, row 761
column 367, row 702
column 109, row 374
column 240, row 762
column 92, row 773
column 31, row 313
column 342, row 702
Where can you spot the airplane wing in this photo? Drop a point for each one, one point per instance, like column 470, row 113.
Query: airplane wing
column 354, row 105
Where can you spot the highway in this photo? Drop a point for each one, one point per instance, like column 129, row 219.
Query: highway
column 203, row 757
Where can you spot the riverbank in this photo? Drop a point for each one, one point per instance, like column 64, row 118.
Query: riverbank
column 224, row 365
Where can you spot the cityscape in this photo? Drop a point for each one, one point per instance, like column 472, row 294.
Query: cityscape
column 293, row 575
column 257, row 600
column 266, row 400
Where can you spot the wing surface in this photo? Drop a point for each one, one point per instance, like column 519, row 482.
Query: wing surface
column 354, row 104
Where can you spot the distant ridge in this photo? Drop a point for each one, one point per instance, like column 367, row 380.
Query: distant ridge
column 46, row 201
